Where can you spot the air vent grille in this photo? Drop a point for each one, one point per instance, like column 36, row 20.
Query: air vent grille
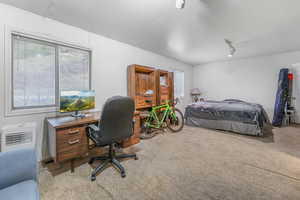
column 18, row 138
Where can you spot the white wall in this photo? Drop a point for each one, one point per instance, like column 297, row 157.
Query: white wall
column 110, row 60
column 253, row 79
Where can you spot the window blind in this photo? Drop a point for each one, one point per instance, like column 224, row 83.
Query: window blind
column 179, row 84
column 33, row 73
column 74, row 69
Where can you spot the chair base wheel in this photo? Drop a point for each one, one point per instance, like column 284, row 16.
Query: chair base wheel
column 110, row 159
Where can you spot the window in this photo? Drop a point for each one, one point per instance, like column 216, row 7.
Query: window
column 33, row 73
column 179, row 84
column 74, row 69
column 40, row 69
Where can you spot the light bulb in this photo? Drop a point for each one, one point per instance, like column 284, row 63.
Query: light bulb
column 180, row 4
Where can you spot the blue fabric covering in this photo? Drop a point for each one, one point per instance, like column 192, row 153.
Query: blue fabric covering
column 18, row 175
column 281, row 97
column 26, row 190
column 17, row 166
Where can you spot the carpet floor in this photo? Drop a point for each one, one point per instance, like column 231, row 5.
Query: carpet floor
column 196, row 163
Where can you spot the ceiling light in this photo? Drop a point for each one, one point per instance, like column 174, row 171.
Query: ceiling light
column 180, row 4
column 232, row 49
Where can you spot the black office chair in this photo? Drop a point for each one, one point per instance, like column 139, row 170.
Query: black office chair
column 116, row 125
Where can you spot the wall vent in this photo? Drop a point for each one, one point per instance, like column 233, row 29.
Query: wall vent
column 18, row 136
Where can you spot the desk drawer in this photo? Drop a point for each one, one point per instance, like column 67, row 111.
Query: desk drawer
column 71, row 143
column 72, row 152
column 70, row 132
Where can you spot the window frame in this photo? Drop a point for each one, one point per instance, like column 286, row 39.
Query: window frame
column 10, row 110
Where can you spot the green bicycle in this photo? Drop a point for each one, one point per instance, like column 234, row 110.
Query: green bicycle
column 161, row 117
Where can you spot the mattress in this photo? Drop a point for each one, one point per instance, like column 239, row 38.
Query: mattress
column 230, row 115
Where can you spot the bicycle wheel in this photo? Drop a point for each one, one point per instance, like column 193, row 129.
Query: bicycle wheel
column 176, row 125
column 148, row 134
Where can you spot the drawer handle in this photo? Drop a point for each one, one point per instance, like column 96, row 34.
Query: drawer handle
column 73, row 142
column 73, row 132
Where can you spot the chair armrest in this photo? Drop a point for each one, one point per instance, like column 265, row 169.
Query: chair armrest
column 93, row 132
column 94, row 127
column 17, row 166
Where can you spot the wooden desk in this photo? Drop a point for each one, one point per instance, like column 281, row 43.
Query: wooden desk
column 68, row 139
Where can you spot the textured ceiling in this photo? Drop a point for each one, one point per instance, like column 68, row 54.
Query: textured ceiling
column 193, row 35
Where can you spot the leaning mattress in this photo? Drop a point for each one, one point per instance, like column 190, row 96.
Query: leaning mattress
column 230, row 115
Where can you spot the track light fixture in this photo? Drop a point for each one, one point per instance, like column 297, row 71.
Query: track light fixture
column 180, row 4
column 232, row 49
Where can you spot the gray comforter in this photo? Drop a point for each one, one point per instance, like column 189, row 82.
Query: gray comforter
column 232, row 115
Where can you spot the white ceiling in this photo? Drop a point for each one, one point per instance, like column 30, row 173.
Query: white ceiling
column 193, row 35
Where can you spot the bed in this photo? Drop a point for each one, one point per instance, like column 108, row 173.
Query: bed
column 229, row 115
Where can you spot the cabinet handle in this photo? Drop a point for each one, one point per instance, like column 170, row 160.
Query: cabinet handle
column 73, row 142
column 73, row 132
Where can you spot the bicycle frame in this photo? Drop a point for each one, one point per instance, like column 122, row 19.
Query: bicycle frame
column 153, row 115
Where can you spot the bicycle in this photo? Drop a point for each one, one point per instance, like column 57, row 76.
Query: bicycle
column 161, row 117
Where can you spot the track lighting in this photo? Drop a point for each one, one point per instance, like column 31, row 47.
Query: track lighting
column 180, row 4
column 232, row 49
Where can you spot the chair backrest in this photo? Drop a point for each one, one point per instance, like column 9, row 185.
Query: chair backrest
column 116, row 123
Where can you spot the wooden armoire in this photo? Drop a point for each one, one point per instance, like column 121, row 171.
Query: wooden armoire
column 148, row 87
column 164, row 87
column 141, row 86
